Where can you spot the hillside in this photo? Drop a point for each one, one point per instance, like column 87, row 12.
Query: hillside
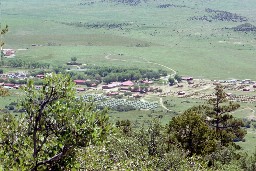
column 185, row 35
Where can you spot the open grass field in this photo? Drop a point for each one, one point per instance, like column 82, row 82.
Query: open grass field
column 90, row 30
column 7, row 100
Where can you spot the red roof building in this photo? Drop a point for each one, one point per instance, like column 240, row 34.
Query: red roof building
column 147, row 82
column 9, row 84
column 112, row 85
column 8, row 52
column 187, row 78
column 40, row 76
column 127, row 83
column 79, row 82
column 80, row 89
column 93, row 85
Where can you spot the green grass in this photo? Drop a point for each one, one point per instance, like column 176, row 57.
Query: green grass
column 249, row 145
column 190, row 47
column 179, row 105
column 141, row 117
column 7, row 100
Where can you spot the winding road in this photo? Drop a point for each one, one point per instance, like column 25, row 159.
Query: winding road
column 162, row 104
column 173, row 71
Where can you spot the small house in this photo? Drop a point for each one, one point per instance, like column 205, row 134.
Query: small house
column 187, row 78
column 180, row 93
column 8, row 52
column 9, row 84
column 80, row 89
column 80, row 82
column 112, row 85
column 127, row 83
column 147, row 82
column 246, row 89
column 41, row 76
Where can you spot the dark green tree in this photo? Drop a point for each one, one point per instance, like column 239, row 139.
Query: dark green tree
column 193, row 133
column 171, row 81
column 178, row 78
column 228, row 128
column 55, row 126
column 73, row 59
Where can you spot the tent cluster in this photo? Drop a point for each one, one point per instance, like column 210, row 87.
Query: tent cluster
column 104, row 101
column 123, row 102
column 93, row 97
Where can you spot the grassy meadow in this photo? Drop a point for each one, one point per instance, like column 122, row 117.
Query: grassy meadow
column 163, row 35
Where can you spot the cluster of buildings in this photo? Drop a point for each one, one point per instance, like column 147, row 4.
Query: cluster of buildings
column 117, row 88
column 10, row 85
column 244, row 85
column 118, row 84
column 134, row 89
column 125, row 84
column 17, row 77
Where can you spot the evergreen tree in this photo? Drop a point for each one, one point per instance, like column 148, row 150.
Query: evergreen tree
column 228, row 128
column 193, row 133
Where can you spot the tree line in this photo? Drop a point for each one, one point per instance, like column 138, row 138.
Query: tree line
column 19, row 63
column 96, row 74
column 111, row 74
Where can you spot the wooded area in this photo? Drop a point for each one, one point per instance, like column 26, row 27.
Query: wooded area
column 57, row 131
